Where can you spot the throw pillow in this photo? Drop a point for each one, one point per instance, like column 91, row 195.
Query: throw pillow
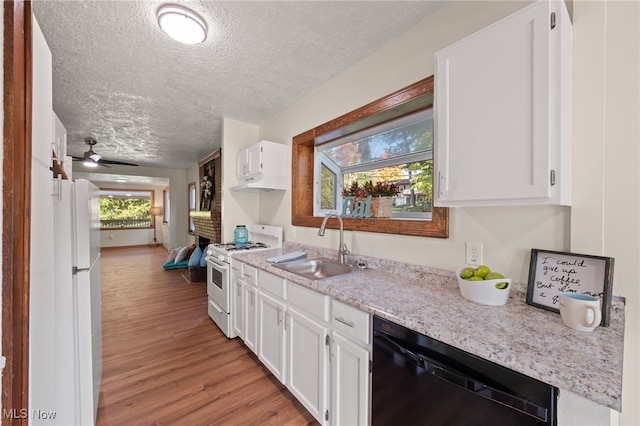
column 203, row 259
column 194, row 260
column 182, row 254
column 172, row 254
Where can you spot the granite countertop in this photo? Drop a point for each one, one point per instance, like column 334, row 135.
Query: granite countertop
column 518, row 336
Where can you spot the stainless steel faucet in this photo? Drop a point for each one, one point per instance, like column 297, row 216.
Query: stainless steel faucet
column 342, row 248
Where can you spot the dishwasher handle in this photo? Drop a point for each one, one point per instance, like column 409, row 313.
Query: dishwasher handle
column 467, row 383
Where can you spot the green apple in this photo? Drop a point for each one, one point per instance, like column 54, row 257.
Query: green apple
column 493, row 276
column 474, row 278
column 481, row 271
column 466, row 273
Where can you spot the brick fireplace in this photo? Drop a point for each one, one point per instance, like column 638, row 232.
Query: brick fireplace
column 205, row 225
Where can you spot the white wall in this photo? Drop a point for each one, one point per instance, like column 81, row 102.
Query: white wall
column 604, row 216
column 606, row 209
column 238, row 208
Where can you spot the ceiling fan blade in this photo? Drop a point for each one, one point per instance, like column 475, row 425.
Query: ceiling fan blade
column 95, row 157
column 89, row 159
column 114, row 162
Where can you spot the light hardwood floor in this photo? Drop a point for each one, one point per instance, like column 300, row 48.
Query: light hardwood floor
column 166, row 363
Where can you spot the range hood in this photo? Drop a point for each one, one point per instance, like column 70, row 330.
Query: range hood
column 262, row 182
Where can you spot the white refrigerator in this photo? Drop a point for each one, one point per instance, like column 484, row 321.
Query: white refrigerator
column 78, row 301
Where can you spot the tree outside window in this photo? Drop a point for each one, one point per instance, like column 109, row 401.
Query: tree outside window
column 125, row 209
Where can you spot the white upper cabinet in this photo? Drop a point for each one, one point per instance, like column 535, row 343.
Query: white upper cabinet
column 262, row 166
column 502, row 112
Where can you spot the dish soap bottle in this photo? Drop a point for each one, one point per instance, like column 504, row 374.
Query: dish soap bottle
column 240, row 236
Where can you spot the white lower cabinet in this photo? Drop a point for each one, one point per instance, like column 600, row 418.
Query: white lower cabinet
column 318, row 347
column 250, row 320
column 272, row 338
column 350, row 378
column 307, row 373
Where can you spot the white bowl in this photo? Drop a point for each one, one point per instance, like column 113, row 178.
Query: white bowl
column 484, row 292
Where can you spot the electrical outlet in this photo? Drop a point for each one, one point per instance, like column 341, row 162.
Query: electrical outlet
column 473, row 253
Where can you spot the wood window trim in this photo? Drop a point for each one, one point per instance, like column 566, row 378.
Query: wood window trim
column 302, row 160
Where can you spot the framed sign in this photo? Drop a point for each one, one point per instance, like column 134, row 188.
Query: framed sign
column 554, row 272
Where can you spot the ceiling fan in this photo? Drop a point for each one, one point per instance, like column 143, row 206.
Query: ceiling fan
column 92, row 159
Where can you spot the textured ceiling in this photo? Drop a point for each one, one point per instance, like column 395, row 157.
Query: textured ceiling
column 150, row 100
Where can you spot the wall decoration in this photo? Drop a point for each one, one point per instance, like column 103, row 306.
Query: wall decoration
column 554, row 272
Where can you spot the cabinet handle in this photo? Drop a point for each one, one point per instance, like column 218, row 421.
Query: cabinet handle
column 247, row 276
column 345, row 322
column 286, row 320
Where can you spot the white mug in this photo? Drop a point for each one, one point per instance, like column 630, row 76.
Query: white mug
column 580, row 311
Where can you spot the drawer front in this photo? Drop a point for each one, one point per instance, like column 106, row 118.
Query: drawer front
column 350, row 321
column 250, row 274
column 236, row 269
column 309, row 301
column 271, row 283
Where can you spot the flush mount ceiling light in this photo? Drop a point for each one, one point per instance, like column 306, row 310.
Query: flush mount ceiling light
column 182, row 24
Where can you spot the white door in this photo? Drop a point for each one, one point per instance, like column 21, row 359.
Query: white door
column 237, row 313
column 250, row 323
column 307, row 372
column 271, row 335
column 350, row 379
column 42, row 309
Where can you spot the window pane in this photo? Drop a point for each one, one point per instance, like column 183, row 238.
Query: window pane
column 328, row 183
column 415, row 181
column 125, row 210
column 409, row 135
column 192, row 204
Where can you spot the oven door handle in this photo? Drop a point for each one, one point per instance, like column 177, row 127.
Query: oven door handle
column 450, row 376
column 220, row 266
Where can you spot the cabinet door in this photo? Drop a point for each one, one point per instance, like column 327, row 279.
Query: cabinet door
column 502, row 122
column 242, row 163
column 254, row 159
column 271, row 335
column 250, row 323
column 307, row 362
column 350, row 378
column 237, row 306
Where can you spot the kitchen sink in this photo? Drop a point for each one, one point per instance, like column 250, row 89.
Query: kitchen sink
column 316, row 269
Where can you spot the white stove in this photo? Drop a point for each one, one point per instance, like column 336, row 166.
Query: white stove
column 219, row 257
column 261, row 237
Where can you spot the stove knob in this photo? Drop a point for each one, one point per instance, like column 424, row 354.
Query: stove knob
column 221, row 257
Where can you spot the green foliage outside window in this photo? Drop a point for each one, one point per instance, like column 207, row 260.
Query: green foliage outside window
column 328, row 189
column 124, row 212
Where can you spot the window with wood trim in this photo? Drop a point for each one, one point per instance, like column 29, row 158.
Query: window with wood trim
column 125, row 208
column 167, row 205
column 311, row 170
column 192, row 205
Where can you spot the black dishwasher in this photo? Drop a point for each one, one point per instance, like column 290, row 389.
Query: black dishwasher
column 417, row 380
